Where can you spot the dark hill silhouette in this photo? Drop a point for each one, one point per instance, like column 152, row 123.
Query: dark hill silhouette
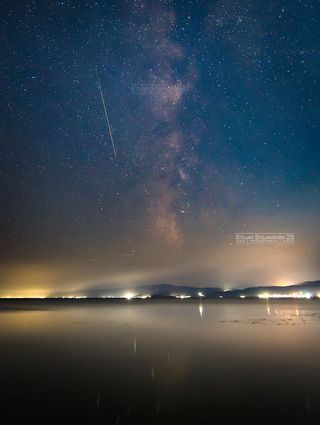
column 169, row 290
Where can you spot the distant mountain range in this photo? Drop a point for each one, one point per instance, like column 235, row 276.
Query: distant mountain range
column 312, row 288
column 308, row 289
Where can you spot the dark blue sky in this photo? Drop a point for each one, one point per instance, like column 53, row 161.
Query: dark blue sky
column 214, row 109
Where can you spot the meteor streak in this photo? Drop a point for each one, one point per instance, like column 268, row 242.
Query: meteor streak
column 106, row 114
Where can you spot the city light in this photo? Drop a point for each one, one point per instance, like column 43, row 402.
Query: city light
column 182, row 297
column 300, row 294
column 35, row 297
column 73, row 297
column 129, row 295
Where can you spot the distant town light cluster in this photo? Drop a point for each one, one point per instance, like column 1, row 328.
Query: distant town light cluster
column 130, row 295
column 9, row 297
column 182, row 297
column 300, row 294
column 73, row 297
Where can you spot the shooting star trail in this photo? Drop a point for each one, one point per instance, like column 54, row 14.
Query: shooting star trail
column 106, row 114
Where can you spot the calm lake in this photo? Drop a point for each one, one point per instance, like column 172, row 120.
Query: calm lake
column 150, row 362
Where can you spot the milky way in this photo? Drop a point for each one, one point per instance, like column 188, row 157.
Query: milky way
column 215, row 112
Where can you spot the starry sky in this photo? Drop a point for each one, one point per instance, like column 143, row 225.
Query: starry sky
column 214, row 112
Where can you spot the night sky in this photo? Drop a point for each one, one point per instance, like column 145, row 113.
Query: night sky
column 214, row 112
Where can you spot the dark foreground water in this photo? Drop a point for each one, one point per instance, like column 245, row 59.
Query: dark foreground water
column 160, row 362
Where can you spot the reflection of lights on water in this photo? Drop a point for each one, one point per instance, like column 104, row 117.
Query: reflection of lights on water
column 268, row 307
column 299, row 294
column 135, row 346
column 152, row 373
column 201, row 310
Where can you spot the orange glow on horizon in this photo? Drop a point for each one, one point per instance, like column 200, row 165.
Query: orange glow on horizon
column 283, row 283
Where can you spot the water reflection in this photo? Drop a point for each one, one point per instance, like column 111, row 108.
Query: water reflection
column 157, row 362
